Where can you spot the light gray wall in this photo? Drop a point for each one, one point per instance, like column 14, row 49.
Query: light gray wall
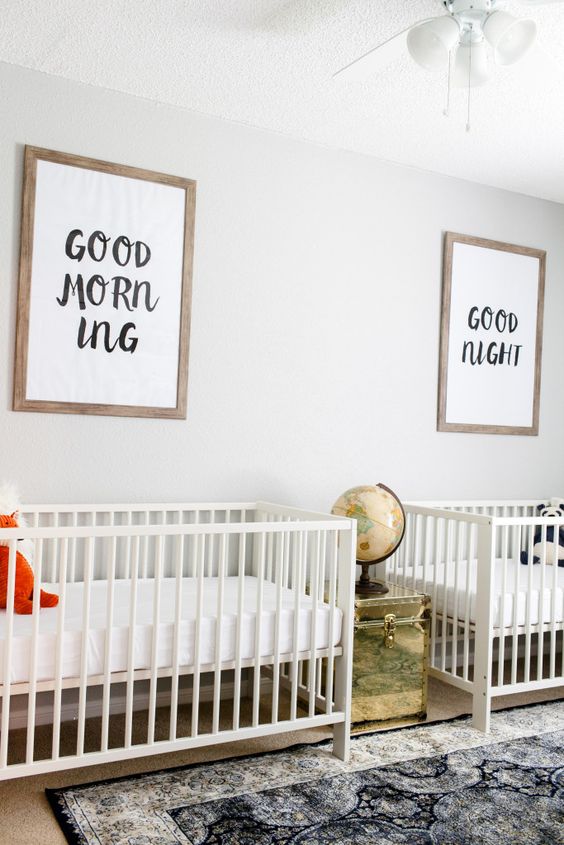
column 315, row 328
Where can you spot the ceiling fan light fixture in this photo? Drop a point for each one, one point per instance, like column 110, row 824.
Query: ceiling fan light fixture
column 509, row 36
column 472, row 70
column 430, row 43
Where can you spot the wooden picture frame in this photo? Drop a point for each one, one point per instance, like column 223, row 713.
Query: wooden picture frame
column 105, row 283
column 491, row 336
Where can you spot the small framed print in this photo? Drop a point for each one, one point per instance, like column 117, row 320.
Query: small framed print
column 491, row 336
column 104, row 288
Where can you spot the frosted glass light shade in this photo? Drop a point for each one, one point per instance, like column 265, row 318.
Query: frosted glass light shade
column 479, row 71
column 509, row 37
column 430, row 43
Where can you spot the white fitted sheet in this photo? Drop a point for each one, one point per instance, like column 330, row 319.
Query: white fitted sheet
column 143, row 639
column 552, row 604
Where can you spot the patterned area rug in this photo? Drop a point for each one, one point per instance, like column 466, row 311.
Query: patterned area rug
column 439, row 784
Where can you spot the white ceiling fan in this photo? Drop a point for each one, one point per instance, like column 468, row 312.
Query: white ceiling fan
column 469, row 32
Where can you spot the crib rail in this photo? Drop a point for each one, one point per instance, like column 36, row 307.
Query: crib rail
column 179, row 606
column 497, row 624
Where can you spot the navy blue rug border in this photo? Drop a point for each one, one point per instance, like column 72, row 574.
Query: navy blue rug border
column 67, row 827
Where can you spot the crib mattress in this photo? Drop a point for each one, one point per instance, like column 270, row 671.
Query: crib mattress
column 550, row 609
column 143, row 637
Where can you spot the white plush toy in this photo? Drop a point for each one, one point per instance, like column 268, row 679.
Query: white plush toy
column 10, row 503
column 554, row 539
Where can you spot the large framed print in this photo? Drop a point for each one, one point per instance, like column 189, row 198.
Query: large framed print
column 491, row 336
column 104, row 288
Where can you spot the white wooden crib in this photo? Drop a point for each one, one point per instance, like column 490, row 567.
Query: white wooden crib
column 171, row 605
column 497, row 625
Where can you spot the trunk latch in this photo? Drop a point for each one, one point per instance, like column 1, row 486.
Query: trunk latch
column 389, row 630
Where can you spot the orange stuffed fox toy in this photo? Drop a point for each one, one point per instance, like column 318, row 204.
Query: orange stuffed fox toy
column 23, row 589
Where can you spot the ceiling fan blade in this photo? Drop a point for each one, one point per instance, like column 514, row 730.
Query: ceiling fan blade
column 378, row 58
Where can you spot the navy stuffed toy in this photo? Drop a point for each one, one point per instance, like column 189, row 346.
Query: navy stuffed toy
column 554, row 545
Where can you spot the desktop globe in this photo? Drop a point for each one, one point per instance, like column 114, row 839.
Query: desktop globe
column 380, row 528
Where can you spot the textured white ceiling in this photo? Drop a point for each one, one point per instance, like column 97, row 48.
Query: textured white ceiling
column 269, row 63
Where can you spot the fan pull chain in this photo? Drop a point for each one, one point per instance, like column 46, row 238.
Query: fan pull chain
column 469, row 86
column 446, row 110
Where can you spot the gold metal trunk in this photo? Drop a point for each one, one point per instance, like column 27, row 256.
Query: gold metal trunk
column 391, row 648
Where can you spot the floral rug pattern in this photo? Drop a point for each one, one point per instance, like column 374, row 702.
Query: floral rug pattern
column 438, row 784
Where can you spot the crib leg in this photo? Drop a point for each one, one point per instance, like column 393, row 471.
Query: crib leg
column 483, row 636
column 481, row 710
column 342, row 741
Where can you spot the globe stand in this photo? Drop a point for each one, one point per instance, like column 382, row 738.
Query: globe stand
column 365, row 586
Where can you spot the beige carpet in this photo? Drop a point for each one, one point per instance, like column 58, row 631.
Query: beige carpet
column 25, row 816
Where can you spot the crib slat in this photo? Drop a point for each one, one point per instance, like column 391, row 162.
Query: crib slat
column 553, row 593
column 439, row 534
column 145, row 548
column 321, row 598
column 561, row 672
column 83, row 688
column 444, row 607
column 402, row 554
column 269, row 550
column 410, row 541
column 53, row 551
column 470, row 536
column 529, row 605
column 516, row 597
column 157, row 583
column 502, row 605
column 427, row 551
column 12, row 548
column 201, row 550
column 193, row 572
column 457, row 565
column 130, row 683
column 278, row 573
column 176, row 642
column 297, row 567
column 73, row 543
column 219, row 631
column 286, row 570
column 31, row 698
column 240, row 606
column 111, row 574
column 258, row 627
column 540, row 645
column 333, row 555
column 64, row 547
column 304, row 539
column 210, row 540
column 314, row 592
